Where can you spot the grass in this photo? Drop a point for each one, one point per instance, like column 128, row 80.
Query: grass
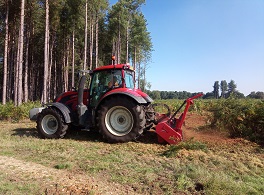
column 190, row 167
column 10, row 184
column 188, row 145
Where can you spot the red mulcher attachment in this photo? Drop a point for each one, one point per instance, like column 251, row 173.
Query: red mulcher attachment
column 169, row 130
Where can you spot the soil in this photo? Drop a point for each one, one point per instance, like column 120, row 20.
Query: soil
column 194, row 128
column 55, row 181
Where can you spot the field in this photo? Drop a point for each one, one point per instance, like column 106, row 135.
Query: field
column 207, row 162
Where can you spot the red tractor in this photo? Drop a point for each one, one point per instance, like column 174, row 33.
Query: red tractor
column 111, row 104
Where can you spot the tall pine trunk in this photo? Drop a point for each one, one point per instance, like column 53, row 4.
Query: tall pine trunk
column 49, row 91
column 19, row 69
column 5, row 55
column 113, row 50
column 46, row 54
column 91, row 43
column 26, row 70
column 127, row 43
column 66, row 70
column 73, row 57
column 85, row 35
column 119, row 45
column 96, row 41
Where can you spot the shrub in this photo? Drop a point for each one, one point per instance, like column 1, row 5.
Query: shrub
column 241, row 117
column 13, row 113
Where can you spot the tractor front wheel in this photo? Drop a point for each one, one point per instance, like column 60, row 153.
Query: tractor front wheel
column 50, row 124
column 120, row 119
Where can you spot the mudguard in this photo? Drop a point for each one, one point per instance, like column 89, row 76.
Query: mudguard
column 127, row 92
column 144, row 95
column 63, row 109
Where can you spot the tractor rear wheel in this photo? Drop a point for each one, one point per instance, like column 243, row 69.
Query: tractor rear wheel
column 50, row 124
column 120, row 119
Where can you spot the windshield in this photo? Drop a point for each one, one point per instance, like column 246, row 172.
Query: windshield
column 129, row 79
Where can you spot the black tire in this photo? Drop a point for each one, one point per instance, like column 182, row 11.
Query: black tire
column 50, row 124
column 120, row 119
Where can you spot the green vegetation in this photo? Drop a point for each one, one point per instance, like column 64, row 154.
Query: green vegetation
column 12, row 113
column 241, row 117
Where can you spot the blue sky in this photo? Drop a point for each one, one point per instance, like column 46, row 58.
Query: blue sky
column 198, row 42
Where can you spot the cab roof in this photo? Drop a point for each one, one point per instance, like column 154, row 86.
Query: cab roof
column 116, row 66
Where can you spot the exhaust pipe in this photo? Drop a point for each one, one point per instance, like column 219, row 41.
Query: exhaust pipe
column 81, row 107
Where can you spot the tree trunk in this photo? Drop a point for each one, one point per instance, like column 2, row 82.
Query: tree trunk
column 18, row 102
column 113, row 51
column 63, row 72
column 49, row 95
column 96, row 41
column 135, row 62
column 119, row 45
column 32, row 73
column 127, row 43
column 144, row 77
column 73, row 57
column 66, row 70
column 46, row 55
column 16, row 69
column 139, row 74
column 91, row 43
column 135, row 58
column 55, row 79
column 5, row 55
column 12, row 81
column 26, row 69
column 85, row 35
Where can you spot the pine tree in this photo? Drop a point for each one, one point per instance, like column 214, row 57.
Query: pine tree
column 216, row 89
column 232, row 87
column 223, row 86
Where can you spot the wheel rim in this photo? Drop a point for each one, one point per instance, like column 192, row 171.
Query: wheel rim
column 119, row 121
column 49, row 124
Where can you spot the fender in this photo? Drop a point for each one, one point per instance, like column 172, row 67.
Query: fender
column 144, row 95
column 63, row 109
column 127, row 92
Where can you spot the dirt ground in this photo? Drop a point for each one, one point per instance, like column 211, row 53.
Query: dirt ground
column 64, row 182
column 194, row 129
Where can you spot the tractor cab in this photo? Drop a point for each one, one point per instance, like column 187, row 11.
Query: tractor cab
column 107, row 78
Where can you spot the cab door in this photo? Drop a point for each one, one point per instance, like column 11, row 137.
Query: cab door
column 102, row 82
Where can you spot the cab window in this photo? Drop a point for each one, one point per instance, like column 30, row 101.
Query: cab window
column 129, row 79
column 102, row 82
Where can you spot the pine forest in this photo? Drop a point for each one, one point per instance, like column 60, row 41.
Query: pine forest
column 43, row 44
